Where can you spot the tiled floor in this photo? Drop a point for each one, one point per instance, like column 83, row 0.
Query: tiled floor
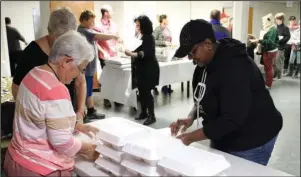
column 286, row 95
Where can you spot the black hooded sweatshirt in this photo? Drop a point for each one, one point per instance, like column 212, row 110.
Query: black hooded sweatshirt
column 283, row 30
column 238, row 111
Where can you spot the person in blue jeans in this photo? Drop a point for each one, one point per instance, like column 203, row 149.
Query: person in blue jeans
column 238, row 112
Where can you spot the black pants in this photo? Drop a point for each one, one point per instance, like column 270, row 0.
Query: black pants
column 287, row 54
column 146, row 100
column 102, row 63
column 7, row 117
column 14, row 58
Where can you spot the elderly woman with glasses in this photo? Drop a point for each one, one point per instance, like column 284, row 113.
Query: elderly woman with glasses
column 43, row 142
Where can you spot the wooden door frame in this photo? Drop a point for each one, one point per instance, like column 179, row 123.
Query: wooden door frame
column 250, row 20
column 54, row 4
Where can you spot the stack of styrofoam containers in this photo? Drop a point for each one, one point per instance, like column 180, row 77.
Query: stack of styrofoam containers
column 113, row 134
column 118, row 63
column 191, row 161
column 143, row 155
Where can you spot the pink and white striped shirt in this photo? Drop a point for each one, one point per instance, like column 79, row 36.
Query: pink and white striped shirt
column 43, row 125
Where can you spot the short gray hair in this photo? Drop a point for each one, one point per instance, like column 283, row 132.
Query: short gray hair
column 61, row 20
column 71, row 44
column 280, row 16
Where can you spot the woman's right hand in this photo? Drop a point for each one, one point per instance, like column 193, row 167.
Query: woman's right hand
column 254, row 41
column 167, row 43
column 176, row 126
column 118, row 39
column 88, row 151
column 128, row 53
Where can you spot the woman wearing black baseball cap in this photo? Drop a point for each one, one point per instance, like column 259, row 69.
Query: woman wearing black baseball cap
column 239, row 116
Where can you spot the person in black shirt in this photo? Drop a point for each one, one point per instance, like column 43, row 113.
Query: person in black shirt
column 145, row 68
column 36, row 54
column 14, row 48
column 239, row 116
column 284, row 37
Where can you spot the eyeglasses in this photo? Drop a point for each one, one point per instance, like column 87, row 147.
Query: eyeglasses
column 194, row 48
column 190, row 55
column 82, row 71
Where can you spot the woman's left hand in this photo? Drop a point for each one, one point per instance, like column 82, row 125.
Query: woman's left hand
column 120, row 40
column 128, row 53
column 87, row 129
column 80, row 116
column 185, row 137
column 254, row 41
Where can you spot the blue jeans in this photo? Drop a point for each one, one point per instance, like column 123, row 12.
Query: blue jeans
column 295, row 55
column 260, row 154
column 89, row 83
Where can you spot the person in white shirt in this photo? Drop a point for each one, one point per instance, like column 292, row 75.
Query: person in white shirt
column 295, row 53
column 293, row 25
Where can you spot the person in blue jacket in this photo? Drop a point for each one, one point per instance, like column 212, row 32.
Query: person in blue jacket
column 220, row 32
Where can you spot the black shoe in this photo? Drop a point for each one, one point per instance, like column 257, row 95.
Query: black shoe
column 87, row 120
column 284, row 71
column 96, row 90
column 118, row 104
column 141, row 116
column 150, row 120
column 165, row 90
column 107, row 103
column 156, row 92
column 95, row 115
column 290, row 70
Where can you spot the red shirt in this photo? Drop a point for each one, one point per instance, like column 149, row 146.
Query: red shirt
column 106, row 27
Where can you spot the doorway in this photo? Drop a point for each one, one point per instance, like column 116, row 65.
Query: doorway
column 77, row 7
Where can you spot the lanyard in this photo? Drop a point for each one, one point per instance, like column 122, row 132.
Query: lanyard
column 53, row 71
column 202, row 89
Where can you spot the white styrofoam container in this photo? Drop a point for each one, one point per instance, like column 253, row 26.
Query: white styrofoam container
column 128, row 173
column 116, row 131
column 151, row 147
column 118, row 61
column 110, row 166
column 110, row 152
column 190, row 161
column 140, row 168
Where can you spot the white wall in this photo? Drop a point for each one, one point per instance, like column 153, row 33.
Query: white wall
column 263, row 8
column 5, row 67
column 202, row 9
column 117, row 17
column 133, row 9
column 45, row 14
column 178, row 14
column 20, row 13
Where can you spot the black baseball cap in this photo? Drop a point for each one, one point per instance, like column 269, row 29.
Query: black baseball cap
column 292, row 18
column 193, row 32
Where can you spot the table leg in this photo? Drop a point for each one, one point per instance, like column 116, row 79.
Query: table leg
column 182, row 86
column 188, row 89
